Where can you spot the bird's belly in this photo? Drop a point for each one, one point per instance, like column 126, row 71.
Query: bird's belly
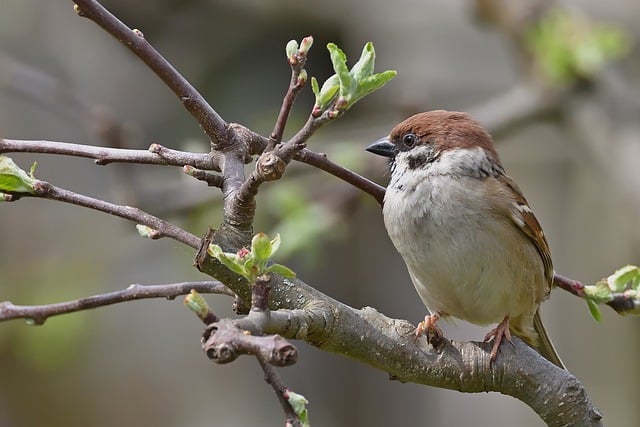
column 458, row 263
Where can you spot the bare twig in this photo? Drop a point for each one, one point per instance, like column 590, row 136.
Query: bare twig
column 38, row 314
column 156, row 155
column 321, row 161
column 572, row 286
column 211, row 179
column 296, row 83
column 272, row 378
column 212, row 124
column 161, row 228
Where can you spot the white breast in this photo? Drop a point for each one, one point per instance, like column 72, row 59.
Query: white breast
column 463, row 255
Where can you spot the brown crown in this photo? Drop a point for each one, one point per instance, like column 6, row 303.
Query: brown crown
column 445, row 129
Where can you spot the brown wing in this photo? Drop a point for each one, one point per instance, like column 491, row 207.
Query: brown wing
column 523, row 217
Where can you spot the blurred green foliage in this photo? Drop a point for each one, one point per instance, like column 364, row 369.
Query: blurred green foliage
column 567, row 46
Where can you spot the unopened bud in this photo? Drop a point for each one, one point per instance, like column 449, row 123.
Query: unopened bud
column 305, row 45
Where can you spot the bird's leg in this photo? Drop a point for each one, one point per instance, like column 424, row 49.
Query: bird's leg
column 429, row 325
column 498, row 333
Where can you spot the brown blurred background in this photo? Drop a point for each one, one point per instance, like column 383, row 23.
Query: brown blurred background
column 62, row 78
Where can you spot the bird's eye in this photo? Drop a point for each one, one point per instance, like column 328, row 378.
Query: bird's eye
column 410, row 139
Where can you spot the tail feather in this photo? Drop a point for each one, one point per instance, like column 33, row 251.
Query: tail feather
column 545, row 346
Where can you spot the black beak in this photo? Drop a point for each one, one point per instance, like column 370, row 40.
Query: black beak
column 383, row 147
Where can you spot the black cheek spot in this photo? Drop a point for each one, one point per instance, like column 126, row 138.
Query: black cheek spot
column 417, row 161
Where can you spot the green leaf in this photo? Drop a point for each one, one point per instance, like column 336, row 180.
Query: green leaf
column 600, row 292
column 13, row 179
column 261, row 248
column 299, row 404
column 328, row 91
column 372, row 83
column 364, row 67
column 629, row 274
column 339, row 61
column 275, row 244
column 315, row 88
column 32, row 169
column 594, row 310
column 232, row 261
column 281, row 270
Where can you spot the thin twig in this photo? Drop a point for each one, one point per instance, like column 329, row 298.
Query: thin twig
column 212, row 124
column 295, row 85
column 156, row 155
column 212, row 179
column 572, row 286
column 321, row 161
column 38, row 314
column 161, row 228
column 272, row 378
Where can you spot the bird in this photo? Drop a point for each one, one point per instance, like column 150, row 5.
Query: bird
column 471, row 243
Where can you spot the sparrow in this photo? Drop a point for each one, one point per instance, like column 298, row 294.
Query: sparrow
column 471, row 243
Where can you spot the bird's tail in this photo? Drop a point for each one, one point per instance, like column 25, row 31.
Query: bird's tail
column 545, row 346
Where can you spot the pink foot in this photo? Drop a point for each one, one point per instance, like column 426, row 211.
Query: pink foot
column 429, row 325
column 497, row 334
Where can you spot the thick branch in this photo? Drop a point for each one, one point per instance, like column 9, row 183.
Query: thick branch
column 212, row 124
column 388, row 344
column 38, row 314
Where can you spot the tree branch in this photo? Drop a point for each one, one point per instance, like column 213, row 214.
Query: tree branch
column 223, row 341
column 297, row 82
column 38, row 314
column 321, row 161
column 299, row 311
column 212, row 124
column 161, row 228
column 272, row 378
column 155, row 155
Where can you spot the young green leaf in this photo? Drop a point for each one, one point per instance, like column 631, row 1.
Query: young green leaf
column 281, row 270
column 598, row 293
column 315, row 88
column 594, row 310
column 364, row 67
column 13, row 179
column 339, row 61
column 328, row 91
column 618, row 281
column 299, row 404
column 261, row 248
column 232, row 261
column 275, row 244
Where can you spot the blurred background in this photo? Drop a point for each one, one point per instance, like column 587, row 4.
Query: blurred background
column 556, row 82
